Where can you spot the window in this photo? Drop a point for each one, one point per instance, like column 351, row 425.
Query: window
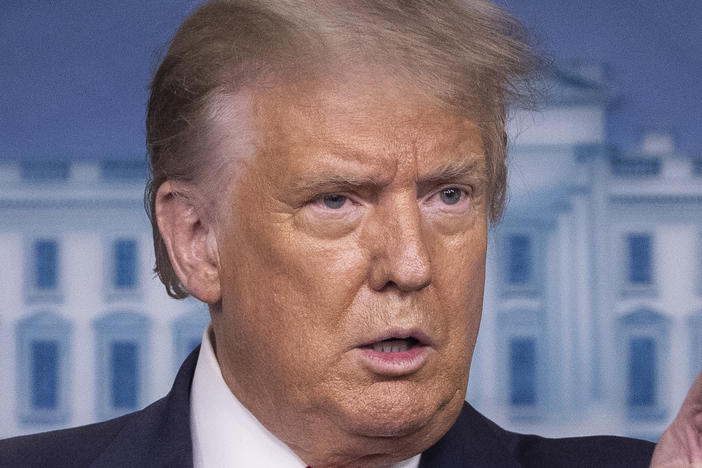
column 124, row 256
column 644, row 337
column 640, row 259
column 520, row 354
column 520, row 260
column 42, row 273
column 122, row 277
column 522, row 374
column 45, row 264
column 121, row 340
column 44, row 358
column 42, row 368
column 124, row 374
column 521, row 265
column 187, row 333
column 641, row 388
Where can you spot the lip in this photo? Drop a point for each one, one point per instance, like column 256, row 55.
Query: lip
column 395, row 364
column 400, row 334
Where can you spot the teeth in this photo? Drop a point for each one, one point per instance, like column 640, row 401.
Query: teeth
column 391, row 346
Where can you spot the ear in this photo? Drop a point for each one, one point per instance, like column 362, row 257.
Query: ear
column 189, row 235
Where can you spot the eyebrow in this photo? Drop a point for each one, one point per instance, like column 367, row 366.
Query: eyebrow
column 327, row 182
column 469, row 169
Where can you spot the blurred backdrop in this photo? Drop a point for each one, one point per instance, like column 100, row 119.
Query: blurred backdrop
column 593, row 305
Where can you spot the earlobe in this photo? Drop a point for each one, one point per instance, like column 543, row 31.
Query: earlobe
column 188, row 233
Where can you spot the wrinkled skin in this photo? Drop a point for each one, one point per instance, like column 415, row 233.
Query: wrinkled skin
column 681, row 443
column 358, row 210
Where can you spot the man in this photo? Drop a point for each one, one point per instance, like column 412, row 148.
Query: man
column 324, row 174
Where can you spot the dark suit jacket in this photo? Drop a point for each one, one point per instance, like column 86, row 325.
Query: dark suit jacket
column 159, row 436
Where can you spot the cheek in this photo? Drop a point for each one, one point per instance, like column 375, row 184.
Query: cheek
column 322, row 275
column 458, row 263
column 459, row 277
column 297, row 289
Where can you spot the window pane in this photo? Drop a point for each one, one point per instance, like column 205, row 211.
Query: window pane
column 44, row 377
column 642, row 372
column 125, row 268
column 45, row 258
column 124, row 374
column 519, row 259
column 522, row 376
column 640, row 259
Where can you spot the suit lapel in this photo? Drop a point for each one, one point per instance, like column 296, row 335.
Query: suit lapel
column 473, row 441
column 158, row 435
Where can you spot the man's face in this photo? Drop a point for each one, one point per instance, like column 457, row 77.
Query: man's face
column 351, row 261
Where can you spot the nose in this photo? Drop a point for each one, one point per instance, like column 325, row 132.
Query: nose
column 400, row 256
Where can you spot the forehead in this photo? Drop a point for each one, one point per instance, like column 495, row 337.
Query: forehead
column 375, row 123
column 374, row 126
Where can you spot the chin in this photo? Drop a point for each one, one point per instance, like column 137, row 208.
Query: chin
column 400, row 409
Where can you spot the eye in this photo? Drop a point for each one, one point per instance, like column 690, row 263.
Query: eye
column 334, row 201
column 450, row 200
column 451, row 195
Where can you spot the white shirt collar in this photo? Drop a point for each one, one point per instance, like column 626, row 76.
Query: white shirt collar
column 225, row 433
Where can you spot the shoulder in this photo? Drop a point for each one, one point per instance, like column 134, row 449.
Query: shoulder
column 476, row 441
column 74, row 447
column 601, row 451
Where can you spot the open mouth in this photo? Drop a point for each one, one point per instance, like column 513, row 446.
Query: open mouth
column 394, row 345
column 396, row 353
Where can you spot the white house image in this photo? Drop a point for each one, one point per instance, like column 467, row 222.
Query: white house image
column 593, row 299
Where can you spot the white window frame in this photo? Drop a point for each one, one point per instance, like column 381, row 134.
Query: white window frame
column 627, row 287
column 33, row 294
column 522, row 323
column 43, row 325
column 644, row 323
column 113, row 293
column 110, row 328
column 537, row 237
